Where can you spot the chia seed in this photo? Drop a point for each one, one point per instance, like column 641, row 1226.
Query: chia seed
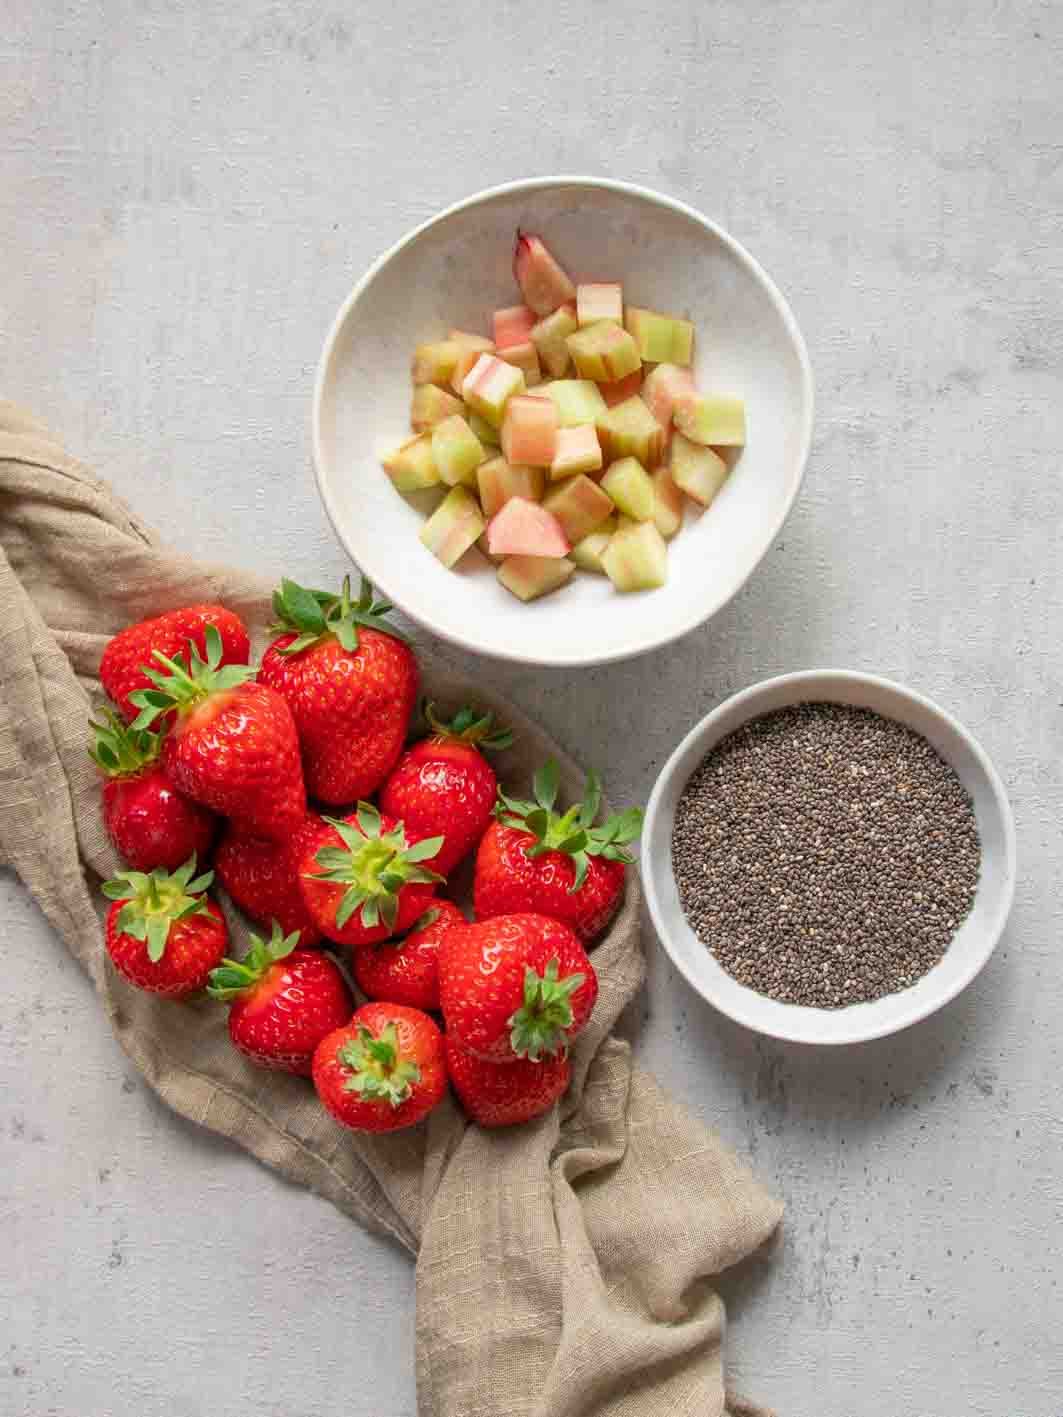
column 825, row 855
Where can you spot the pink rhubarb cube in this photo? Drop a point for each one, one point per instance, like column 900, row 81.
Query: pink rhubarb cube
column 622, row 389
column 513, row 326
column 524, row 528
column 663, row 389
column 542, row 282
column 529, row 432
column 577, row 450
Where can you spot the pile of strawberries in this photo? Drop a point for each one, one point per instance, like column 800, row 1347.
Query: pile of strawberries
column 208, row 756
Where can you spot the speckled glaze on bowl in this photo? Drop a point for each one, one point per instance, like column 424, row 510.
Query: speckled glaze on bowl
column 452, row 272
column 973, row 943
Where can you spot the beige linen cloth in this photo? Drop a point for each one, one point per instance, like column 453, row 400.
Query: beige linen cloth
column 562, row 1266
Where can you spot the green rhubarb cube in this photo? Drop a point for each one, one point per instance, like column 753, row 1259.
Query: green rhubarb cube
column 549, row 338
column 604, row 352
column 434, row 363
column 453, row 527
column 411, row 466
column 481, row 428
column 696, row 470
column 629, row 429
column 580, row 505
column 430, row 405
column 528, row 577
column 630, row 487
column 636, row 558
column 489, row 385
column 577, row 401
column 457, row 451
column 499, row 480
column 588, row 553
column 718, row 420
column 661, row 339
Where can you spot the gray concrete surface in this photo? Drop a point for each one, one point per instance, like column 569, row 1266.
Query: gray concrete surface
column 186, row 194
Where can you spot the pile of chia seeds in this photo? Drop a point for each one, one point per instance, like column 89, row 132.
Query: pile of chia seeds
column 825, row 855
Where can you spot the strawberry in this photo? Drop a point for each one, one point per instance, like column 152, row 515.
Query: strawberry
column 261, row 877
column 163, row 933
column 517, row 986
column 233, row 747
column 383, row 1071
column 126, row 654
column 406, row 971
column 351, row 684
column 445, row 785
column 284, row 1001
column 533, row 859
column 502, row 1094
column 148, row 820
column 361, row 878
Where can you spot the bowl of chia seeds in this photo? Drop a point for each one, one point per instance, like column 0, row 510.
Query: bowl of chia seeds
column 828, row 857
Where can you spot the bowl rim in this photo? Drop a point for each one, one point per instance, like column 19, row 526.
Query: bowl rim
column 803, row 683
column 699, row 614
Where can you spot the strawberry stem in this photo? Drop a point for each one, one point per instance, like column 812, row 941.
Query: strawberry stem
column 374, row 865
column 539, row 1025
column 155, row 901
column 467, row 726
column 183, row 686
column 378, row 1071
column 315, row 615
column 235, row 977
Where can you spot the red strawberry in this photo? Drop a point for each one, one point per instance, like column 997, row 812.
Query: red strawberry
column 351, row 684
column 534, row 859
column 383, row 1071
column 518, row 986
column 262, row 877
column 502, row 1094
column 445, row 785
column 284, row 1001
column 234, row 746
column 406, row 971
column 148, row 820
column 121, row 667
column 361, row 878
column 163, row 933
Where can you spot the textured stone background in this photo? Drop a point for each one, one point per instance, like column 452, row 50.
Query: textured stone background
column 186, row 194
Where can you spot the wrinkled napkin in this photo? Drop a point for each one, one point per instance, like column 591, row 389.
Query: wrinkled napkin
column 561, row 1265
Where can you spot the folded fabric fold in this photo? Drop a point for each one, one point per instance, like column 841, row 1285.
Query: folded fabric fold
column 562, row 1266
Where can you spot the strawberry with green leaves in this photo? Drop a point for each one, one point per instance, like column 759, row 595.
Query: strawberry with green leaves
column 445, row 785
column 350, row 680
column 561, row 864
column 383, row 1071
column 505, row 1094
column 233, row 746
column 517, row 986
column 284, row 1001
column 363, row 877
column 164, row 933
column 406, row 971
column 149, row 821
column 126, row 654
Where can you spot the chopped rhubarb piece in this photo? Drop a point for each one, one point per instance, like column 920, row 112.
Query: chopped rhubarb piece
column 629, row 485
column 696, row 470
column 599, row 302
column 718, row 420
column 663, row 388
column 481, row 427
column 512, row 326
column 630, row 430
column 489, row 385
column 481, row 543
column 549, row 337
column 529, row 431
column 528, row 577
column 577, row 450
column 576, row 400
column 470, row 347
column 543, row 283
column 453, row 526
column 524, row 528
column 499, row 480
column 603, row 352
column 526, row 358
column 667, row 503
column 636, row 558
column 587, row 553
column 411, row 465
column 580, row 506
column 662, row 339
column 622, row 390
column 430, row 405
column 457, row 451
column 434, row 363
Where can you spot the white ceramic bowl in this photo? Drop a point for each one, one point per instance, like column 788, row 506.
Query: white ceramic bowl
column 452, row 272
column 974, row 941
